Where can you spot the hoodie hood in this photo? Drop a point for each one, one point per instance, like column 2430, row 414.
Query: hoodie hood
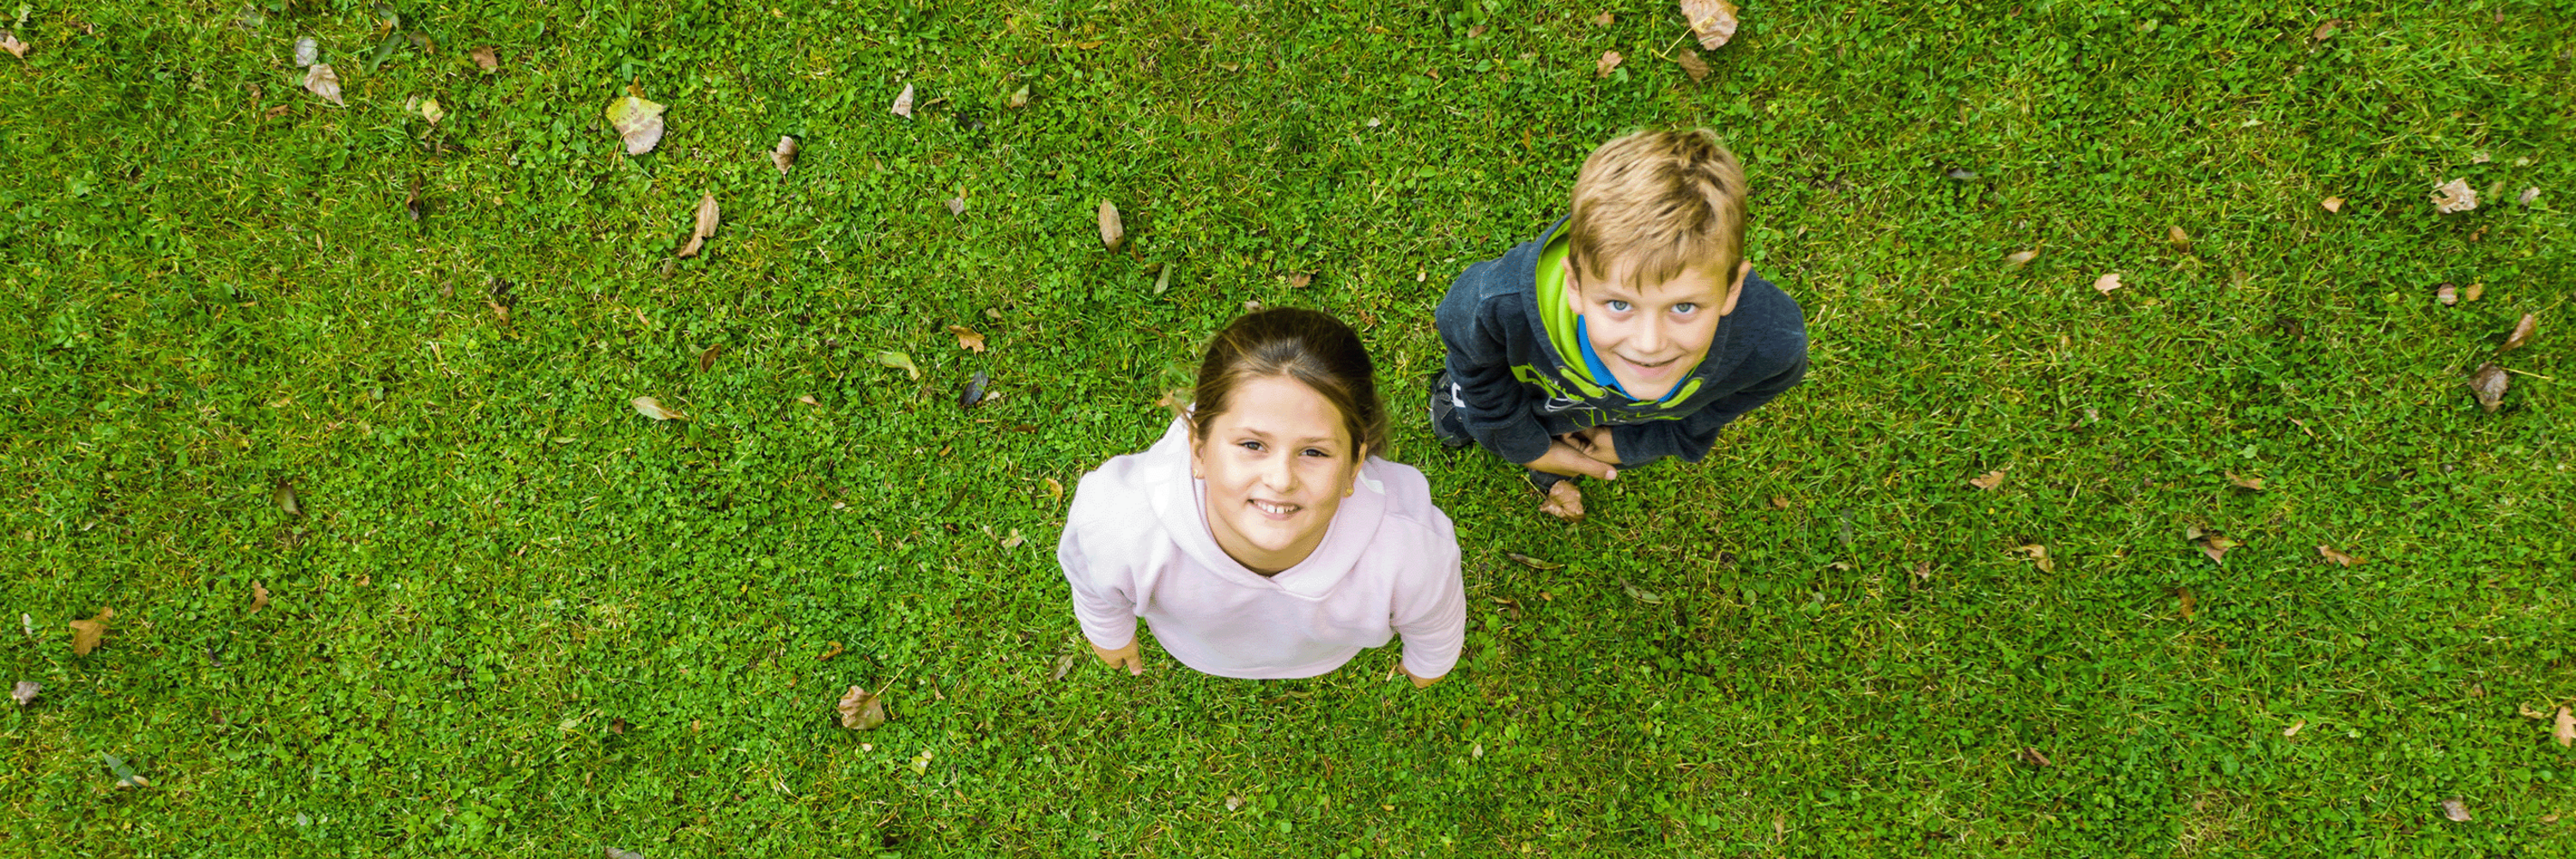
column 1179, row 502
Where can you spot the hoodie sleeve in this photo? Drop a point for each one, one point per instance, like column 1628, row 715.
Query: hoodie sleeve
column 1691, row 437
column 1432, row 616
column 1492, row 402
column 1104, row 597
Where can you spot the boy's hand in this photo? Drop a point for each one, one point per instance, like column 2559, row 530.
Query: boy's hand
column 1418, row 683
column 1563, row 501
column 1124, row 657
column 1595, row 443
column 1565, row 460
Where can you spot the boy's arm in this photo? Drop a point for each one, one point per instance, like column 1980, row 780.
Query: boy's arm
column 1491, row 401
column 1691, row 437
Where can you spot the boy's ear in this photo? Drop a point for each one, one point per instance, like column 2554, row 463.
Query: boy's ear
column 1735, row 288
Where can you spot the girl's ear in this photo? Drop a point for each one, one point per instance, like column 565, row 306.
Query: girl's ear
column 1352, row 485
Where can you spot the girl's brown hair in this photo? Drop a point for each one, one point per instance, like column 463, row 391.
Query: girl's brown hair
column 1313, row 348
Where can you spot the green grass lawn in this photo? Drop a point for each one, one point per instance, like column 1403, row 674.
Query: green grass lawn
column 511, row 616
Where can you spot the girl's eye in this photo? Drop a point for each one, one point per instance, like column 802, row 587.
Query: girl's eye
column 1685, row 308
column 1316, row 451
column 1616, row 306
column 1251, row 445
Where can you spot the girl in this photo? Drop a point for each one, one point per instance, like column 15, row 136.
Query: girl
column 1259, row 539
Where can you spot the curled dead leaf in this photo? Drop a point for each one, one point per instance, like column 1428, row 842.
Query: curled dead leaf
column 1608, row 63
column 2335, row 557
column 307, row 52
column 903, row 103
column 2325, row 29
column 2176, row 237
column 897, row 360
column 284, row 497
column 1299, row 279
column 2565, row 730
column 1779, row 502
column 2215, row 545
column 1713, row 21
column 1233, row 801
column 2454, row 196
column 2455, row 810
column 973, row 392
column 429, row 110
column 1055, row 491
column 708, row 217
column 2189, row 603
column 485, row 57
column 1989, row 480
column 831, row 649
column 861, row 711
column 1533, row 563
column 2021, row 258
column 322, row 81
column 2032, row 756
column 2522, row 332
column 1063, row 666
column 2332, row 204
column 2489, row 383
column 2106, row 283
column 808, row 399
column 638, row 122
column 1019, row 98
column 2446, row 294
column 1604, row 19
column 258, row 597
column 784, row 156
column 86, row 633
column 2253, row 483
column 707, row 359
column 2528, row 195
column 1113, row 231
column 967, row 338
column 25, row 691
column 1691, row 63
column 652, row 408
column 956, row 205
column 2294, row 728
column 2472, row 292
column 2038, row 555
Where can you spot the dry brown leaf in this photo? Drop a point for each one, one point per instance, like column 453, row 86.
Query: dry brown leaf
column 1563, row 502
column 861, row 711
column 2528, row 195
column 2446, row 294
column 1055, row 491
column 831, row 649
column 2032, row 756
column 1990, row 479
column 2293, row 729
column 2106, row 283
column 1013, row 541
column 2022, row 258
column 1477, row 31
column 1922, row 571
column 258, row 597
column 324, row 82
column 2215, row 545
column 808, row 399
column 2457, row 811
column 85, row 633
column 1691, row 63
column 1713, row 21
column 1064, row 665
column 2522, row 332
column 1533, row 563
column 2565, row 731
column 1299, row 279
column 2454, row 196
column 2039, row 555
column 1609, row 63
column 1779, row 502
column 2325, row 29
column 2253, row 483
column 638, row 122
column 1604, row 19
column 9, row 42
column 2488, row 383
column 2335, row 557
column 2332, row 204
column 2176, row 237
column 967, row 338
column 903, row 103
column 652, row 408
column 1113, row 231
column 956, row 205
column 429, row 110
column 784, row 156
column 484, row 56
column 2472, row 292
column 2189, row 603
column 25, row 691
column 708, row 216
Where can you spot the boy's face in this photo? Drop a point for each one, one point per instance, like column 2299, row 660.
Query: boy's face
column 1651, row 335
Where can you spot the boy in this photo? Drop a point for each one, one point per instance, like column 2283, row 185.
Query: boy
column 1632, row 330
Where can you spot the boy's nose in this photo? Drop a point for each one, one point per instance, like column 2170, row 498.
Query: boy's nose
column 1650, row 337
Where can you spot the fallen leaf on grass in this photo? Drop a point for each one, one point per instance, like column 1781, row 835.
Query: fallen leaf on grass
column 1113, row 231
column 652, row 408
column 967, row 338
column 2176, row 237
column 2325, row 29
column 861, row 711
column 430, row 110
column 2335, row 557
column 1609, row 63
column 1233, row 802
column 1163, row 279
column 2189, row 603
column 2106, row 283
column 897, row 360
column 2332, row 204
column 1478, row 31
column 284, row 497
column 708, row 216
column 2454, row 196
column 2211, row 543
column 956, row 205
column 1713, row 21
column 1641, row 594
column 324, row 82
column 2472, row 292
column 2039, row 555
column 831, row 649
column 1779, row 502
column 1055, row 491
column 2293, row 729
column 974, row 391
column 2488, row 383
column 2253, row 483
column 1604, row 19
column 2565, row 731
column 85, row 633
column 1299, row 279
column 808, row 399
column 1922, row 571
column 307, row 53
column 125, row 775
column 1064, row 665
column 1691, row 63
column 2522, row 332
column 1014, row 541
column 2032, row 756
column 614, row 853
column 2528, row 195
column 2022, row 258
column 1989, row 480
column 707, row 359
column 9, row 42
column 258, row 597
column 25, row 691
column 1533, row 563
column 903, row 103
column 784, row 156
column 2457, row 811
column 485, row 57
column 2446, row 294
column 638, row 122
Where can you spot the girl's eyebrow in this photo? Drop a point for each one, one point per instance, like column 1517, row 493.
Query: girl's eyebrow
column 1309, row 440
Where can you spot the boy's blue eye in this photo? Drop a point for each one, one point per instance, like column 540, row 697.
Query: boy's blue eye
column 1685, row 308
column 1616, row 306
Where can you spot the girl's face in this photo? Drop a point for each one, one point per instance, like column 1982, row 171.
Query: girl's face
column 1277, row 465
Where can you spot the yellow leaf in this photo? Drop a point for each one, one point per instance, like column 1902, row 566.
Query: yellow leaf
column 2332, row 204
column 638, row 123
column 652, row 408
column 1609, row 62
column 1113, row 231
column 1990, row 479
column 2335, row 557
column 85, row 633
column 967, row 338
column 258, row 597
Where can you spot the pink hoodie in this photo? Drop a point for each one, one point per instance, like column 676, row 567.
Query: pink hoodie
column 1137, row 545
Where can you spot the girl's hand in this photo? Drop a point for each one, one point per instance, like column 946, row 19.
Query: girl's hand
column 1418, row 683
column 1122, row 657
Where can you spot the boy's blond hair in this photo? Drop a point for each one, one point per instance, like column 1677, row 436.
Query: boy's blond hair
column 1669, row 200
